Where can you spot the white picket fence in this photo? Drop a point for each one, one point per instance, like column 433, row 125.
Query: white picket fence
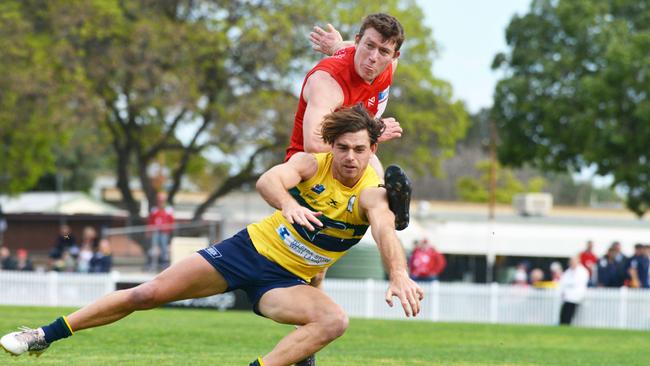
column 445, row 302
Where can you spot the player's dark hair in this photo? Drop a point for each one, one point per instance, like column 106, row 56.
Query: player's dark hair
column 387, row 25
column 351, row 119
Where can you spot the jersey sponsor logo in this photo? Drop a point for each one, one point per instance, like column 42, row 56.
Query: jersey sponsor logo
column 318, row 188
column 351, row 203
column 213, row 252
column 301, row 249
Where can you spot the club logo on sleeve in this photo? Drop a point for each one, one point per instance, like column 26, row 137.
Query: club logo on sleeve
column 213, row 252
column 318, row 188
column 383, row 96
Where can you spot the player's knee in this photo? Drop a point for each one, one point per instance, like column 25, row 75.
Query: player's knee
column 335, row 324
column 143, row 297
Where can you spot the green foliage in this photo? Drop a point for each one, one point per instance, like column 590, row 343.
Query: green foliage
column 208, row 88
column 576, row 91
column 507, row 184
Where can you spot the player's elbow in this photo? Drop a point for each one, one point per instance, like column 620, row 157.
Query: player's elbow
column 262, row 182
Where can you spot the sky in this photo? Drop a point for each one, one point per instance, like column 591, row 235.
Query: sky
column 469, row 33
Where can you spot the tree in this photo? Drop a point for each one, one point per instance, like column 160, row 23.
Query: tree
column 208, row 88
column 28, row 121
column 508, row 185
column 576, row 91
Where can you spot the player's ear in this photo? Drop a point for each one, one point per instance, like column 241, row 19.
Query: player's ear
column 396, row 55
column 357, row 38
column 374, row 147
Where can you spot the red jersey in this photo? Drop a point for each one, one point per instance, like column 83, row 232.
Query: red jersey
column 426, row 262
column 161, row 219
column 340, row 66
column 589, row 260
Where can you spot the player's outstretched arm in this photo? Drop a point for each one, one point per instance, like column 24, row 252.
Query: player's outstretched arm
column 273, row 186
column 382, row 225
column 327, row 41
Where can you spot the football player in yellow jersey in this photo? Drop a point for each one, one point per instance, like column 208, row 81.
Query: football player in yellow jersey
column 325, row 203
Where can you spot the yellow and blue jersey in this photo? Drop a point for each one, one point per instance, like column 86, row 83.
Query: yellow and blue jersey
column 303, row 252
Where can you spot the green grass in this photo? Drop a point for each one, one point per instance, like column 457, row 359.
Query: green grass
column 207, row 337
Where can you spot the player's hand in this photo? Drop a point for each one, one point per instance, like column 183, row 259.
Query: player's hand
column 296, row 214
column 408, row 292
column 325, row 41
column 393, row 129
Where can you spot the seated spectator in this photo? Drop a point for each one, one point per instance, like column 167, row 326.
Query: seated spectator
column 102, row 261
column 88, row 247
column 23, row 262
column 65, row 241
column 7, row 262
column 521, row 275
column 536, row 277
column 556, row 271
column 426, row 263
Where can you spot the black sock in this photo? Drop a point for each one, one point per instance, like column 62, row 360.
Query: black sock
column 257, row 362
column 57, row 330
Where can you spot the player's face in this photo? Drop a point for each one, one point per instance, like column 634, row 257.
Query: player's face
column 351, row 153
column 373, row 54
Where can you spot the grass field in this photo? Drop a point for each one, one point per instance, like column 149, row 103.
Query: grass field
column 207, row 337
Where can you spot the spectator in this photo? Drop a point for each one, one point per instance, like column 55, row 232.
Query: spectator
column 638, row 267
column 556, row 271
column 537, row 278
column 160, row 222
column 3, row 227
column 7, row 262
column 589, row 260
column 23, row 262
column 621, row 259
column 610, row 273
column 521, row 275
column 573, row 287
column 65, row 241
column 426, row 263
column 102, row 261
column 88, row 246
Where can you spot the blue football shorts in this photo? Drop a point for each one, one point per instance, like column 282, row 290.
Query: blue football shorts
column 244, row 268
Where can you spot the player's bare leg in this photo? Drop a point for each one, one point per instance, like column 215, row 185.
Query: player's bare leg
column 316, row 282
column 321, row 321
column 192, row 277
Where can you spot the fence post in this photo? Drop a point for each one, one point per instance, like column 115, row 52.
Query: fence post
column 494, row 302
column 52, row 288
column 111, row 281
column 434, row 292
column 370, row 286
column 622, row 303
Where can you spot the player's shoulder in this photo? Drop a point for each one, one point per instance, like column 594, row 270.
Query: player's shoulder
column 323, row 86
